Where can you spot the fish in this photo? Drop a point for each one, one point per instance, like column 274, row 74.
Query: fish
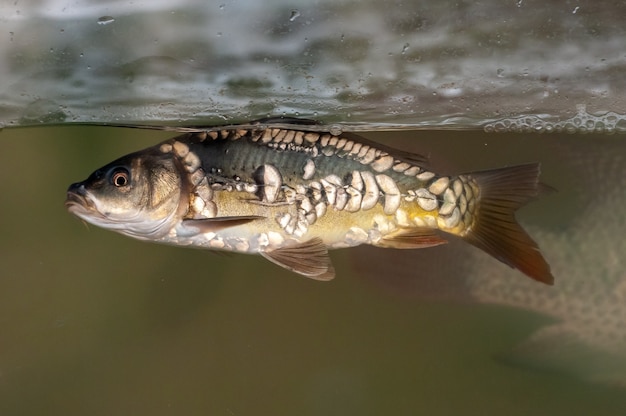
column 284, row 189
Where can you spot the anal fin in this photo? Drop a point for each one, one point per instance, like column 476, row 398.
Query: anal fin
column 411, row 238
column 309, row 259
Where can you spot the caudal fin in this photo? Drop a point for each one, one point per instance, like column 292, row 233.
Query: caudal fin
column 496, row 231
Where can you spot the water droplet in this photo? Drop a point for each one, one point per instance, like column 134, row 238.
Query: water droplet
column 405, row 48
column 519, row 3
column 222, row 6
column 81, row 55
column 294, row 15
column 343, row 37
column 500, row 73
column 105, row 20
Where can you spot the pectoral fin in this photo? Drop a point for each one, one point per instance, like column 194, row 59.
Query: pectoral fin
column 411, row 238
column 212, row 225
column 309, row 259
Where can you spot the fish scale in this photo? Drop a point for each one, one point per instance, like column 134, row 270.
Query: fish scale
column 290, row 165
column 290, row 194
column 293, row 164
column 448, row 216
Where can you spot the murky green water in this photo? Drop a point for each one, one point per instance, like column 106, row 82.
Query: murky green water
column 95, row 323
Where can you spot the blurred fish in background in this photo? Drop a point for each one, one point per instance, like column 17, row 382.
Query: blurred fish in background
column 586, row 309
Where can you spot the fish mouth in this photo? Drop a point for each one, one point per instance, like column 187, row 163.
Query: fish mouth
column 78, row 203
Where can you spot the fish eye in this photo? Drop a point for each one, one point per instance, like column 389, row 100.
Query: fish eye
column 120, row 177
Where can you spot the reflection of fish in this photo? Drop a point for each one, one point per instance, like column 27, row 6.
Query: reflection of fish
column 589, row 339
column 292, row 193
column 585, row 334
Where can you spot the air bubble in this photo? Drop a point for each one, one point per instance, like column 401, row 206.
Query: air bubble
column 335, row 130
column 582, row 122
column 620, row 126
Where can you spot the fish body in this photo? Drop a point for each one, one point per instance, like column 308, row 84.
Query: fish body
column 292, row 193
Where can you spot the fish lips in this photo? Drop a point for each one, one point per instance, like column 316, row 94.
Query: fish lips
column 77, row 202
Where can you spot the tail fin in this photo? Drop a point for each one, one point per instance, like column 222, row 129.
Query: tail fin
column 496, row 231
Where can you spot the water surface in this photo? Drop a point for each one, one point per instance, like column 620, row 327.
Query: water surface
column 414, row 63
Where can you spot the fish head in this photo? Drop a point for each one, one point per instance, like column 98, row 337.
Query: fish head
column 138, row 195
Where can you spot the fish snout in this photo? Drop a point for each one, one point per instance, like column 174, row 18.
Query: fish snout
column 76, row 188
column 76, row 196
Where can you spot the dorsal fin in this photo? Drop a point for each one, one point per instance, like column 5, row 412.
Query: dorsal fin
column 496, row 231
column 412, row 158
column 408, row 157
